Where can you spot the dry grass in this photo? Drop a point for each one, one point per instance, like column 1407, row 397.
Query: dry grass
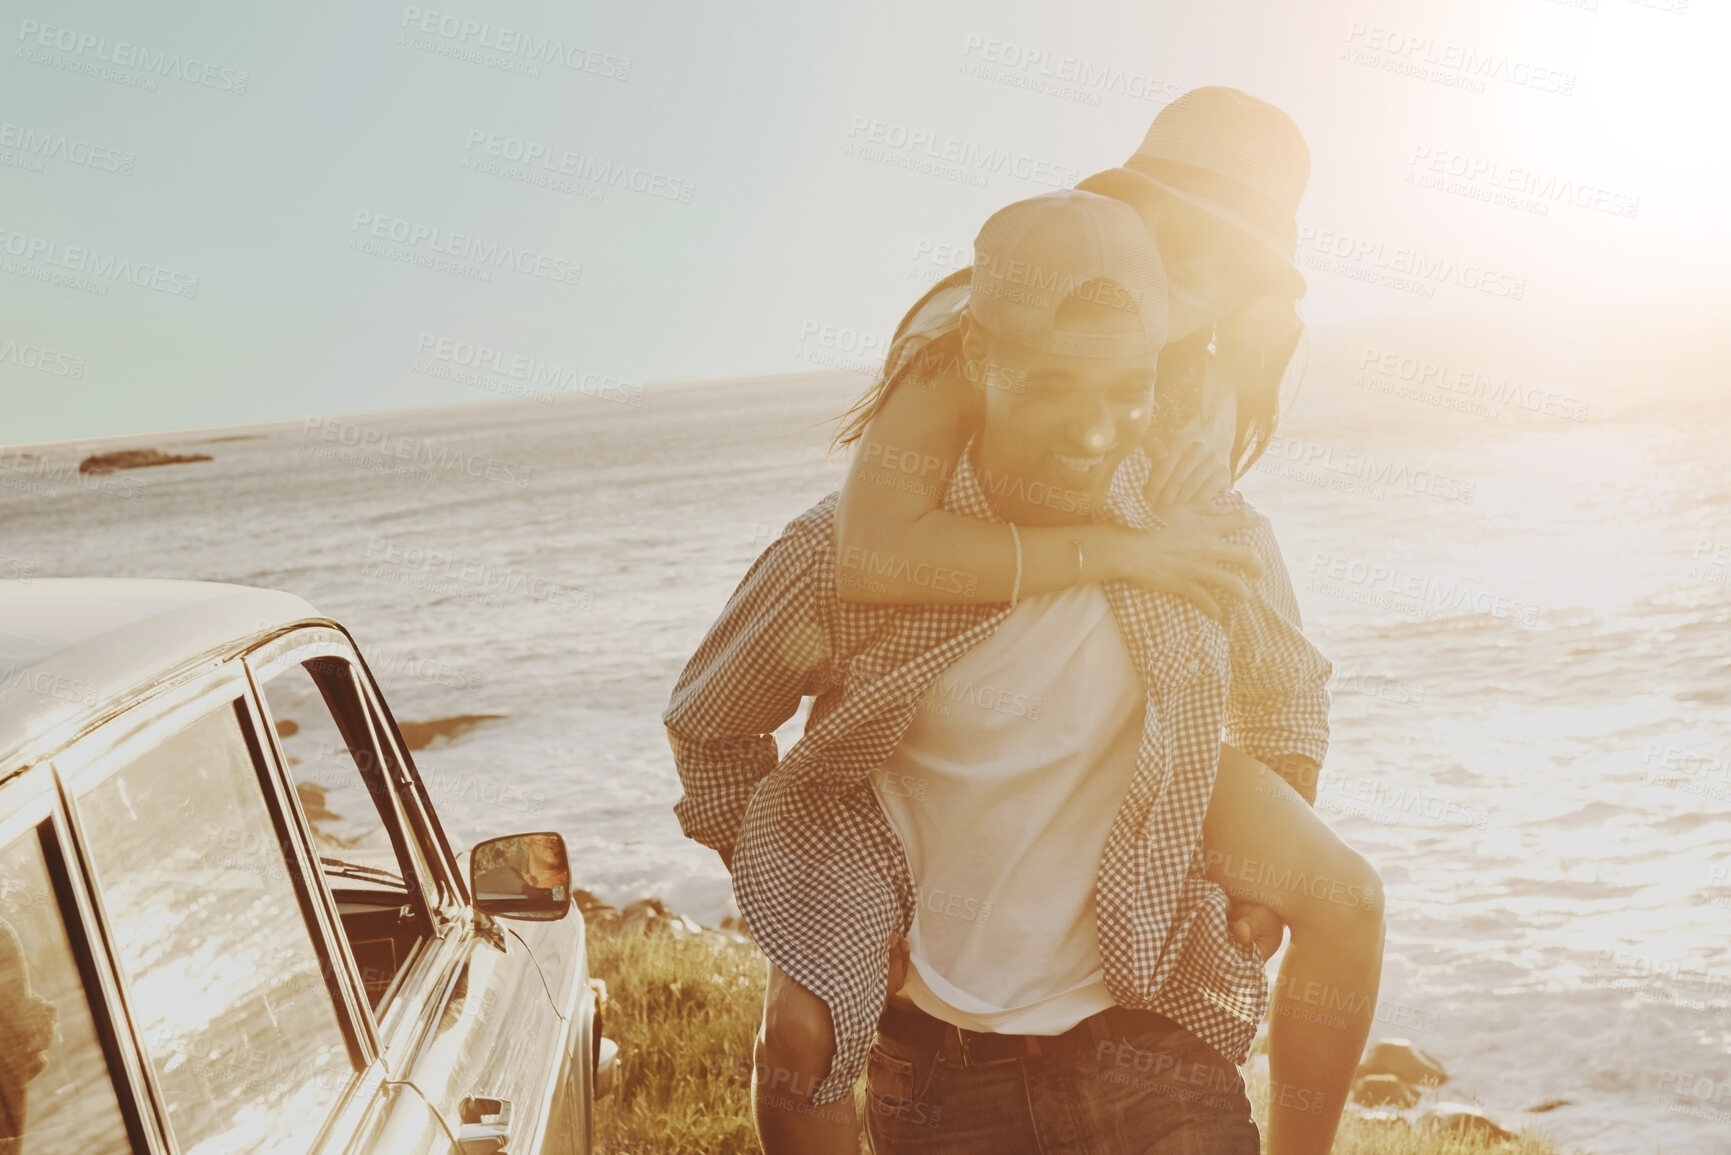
column 684, row 1015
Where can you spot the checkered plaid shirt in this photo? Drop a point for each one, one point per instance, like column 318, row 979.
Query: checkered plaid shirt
column 818, row 870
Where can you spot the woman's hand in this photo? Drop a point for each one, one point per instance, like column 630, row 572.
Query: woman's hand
column 1183, row 474
column 1190, row 556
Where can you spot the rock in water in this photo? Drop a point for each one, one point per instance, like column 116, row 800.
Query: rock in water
column 1463, row 1121
column 683, row 926
column 135, row 459
column 1383, row 1117
column 651, row 916
column 643, row 916
column 1384, row 1091
column 1398, row 1057
column 594, row 910
column 420, row 735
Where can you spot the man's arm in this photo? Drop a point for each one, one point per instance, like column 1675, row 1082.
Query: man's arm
column 1277, row 708
column 746, row 679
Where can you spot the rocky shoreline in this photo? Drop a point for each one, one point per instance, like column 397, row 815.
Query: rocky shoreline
column 1393, row 1078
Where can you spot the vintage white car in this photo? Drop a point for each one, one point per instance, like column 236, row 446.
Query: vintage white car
column 229, row 918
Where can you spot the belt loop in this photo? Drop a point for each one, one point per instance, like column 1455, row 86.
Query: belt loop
column 960, row 1038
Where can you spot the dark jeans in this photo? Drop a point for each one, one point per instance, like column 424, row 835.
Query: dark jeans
column 1160, row 1092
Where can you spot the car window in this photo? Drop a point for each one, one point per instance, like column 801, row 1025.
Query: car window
column 225, row 982
column 334, row 793
column 56, row 1097
column 371, row 860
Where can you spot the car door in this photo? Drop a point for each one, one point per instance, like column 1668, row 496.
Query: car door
column 551, row 1051
column 245, row 1022
column 461, row 1009
column 542, row 1045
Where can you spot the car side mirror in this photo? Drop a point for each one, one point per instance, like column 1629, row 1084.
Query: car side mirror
column 522, row 876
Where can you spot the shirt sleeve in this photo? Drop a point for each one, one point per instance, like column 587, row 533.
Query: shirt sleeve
column 1278, row 702
column 747, row 678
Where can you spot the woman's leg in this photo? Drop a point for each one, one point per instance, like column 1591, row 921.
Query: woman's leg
column 1266, row 846
column 794, row 1047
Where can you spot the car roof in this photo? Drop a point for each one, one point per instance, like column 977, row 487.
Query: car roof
column 71, row 646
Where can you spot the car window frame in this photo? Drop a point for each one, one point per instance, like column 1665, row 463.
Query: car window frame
column 455, row 890
column 276, row 657
column 89, row 760
column 414, row 1007
column 31, row 805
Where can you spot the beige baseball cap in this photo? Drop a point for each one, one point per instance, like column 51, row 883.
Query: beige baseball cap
column 1033, row 255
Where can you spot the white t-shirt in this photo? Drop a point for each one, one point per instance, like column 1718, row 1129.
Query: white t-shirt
column 1003, row 790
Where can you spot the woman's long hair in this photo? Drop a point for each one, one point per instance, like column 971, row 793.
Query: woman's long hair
column 923, row 351
column 918, row 351
column 1257, row 370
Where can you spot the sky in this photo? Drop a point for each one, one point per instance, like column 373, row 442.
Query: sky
column 213, row 214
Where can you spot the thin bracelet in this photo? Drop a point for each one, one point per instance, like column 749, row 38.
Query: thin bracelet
column 1080, row 570
column 1016, row 589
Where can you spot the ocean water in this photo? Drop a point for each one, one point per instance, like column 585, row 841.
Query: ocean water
column 1525, row 598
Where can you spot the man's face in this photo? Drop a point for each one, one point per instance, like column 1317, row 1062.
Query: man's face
column 1065, row 422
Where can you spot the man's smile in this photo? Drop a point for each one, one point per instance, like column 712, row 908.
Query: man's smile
column 1076, row 464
